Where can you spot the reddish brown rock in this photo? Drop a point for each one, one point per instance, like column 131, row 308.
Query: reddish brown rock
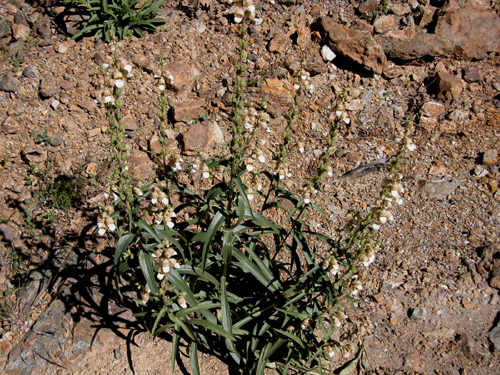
column 432, row 109
column 274, row 86
column 477, row 39
column 20, row 31
column 188, row 110
column 413, row 43
column 355, row 46
column 10, row 125
column 385, row 23
column 180, row 76
column 140, row 166
column 279, row 43
column 201, row 137
column 87, row 104
column 448, row 86
column 490, row 157
column 368, row 6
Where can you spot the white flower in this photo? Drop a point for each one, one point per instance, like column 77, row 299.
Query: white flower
column 127, row 68
column 164, row 201
column 307, row 201
column 368, row 260
column 111, row 227
column 105, row 66
column 165, row 269
column 250, row 197
column 161, row 87
column 119, row 83
column 170, row 224
column 409, row 144
column 108, row 99
column 338, row 113
column 160, row 276
column 101, row 231
column 301, row 150
column 154, row 201
column 376, row 226
column 262, row 158
column 296, row 86
column 206, row 174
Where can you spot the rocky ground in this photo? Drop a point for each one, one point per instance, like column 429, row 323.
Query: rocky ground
column 430, row 301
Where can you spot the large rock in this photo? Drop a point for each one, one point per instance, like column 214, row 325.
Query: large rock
column 180, row 76
column 414, row 43
column 48, row 86
column 355, row 46
column 473, row 32
column 188, row 110
column 201, row 137
column 10, row 82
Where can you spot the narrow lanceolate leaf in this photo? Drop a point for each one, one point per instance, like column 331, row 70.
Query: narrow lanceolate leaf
column 212, row 327
column 202, row 306
column 227, row 323
column 291, row 336
column 228, row 240
column 242, row 189
column 195, row 271
column 185, row 327
column 122, row 244
column 216, row 223
column 146, row 263
column 175, row 345
column 157, row 321
column 193, row 354
column 248, row 266
column 141, row 223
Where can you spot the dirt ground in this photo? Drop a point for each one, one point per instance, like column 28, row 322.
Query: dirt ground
column 430, row 300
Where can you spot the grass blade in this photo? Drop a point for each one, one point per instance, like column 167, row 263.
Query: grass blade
column 146, row 263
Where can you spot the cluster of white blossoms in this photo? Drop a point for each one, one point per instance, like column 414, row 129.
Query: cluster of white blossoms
column 145, row 293
column 122, row 71
column 254, row 185
column 303, row 79
column 174, row 161
column 163, row 80
column 307, row 192
column 252, row 119
column 165, row 255
column 105, row 223
column 181, row 300
column 342, row 115
column 244, row 9
column 332, row 265
column 163, row 212
column 402, row 137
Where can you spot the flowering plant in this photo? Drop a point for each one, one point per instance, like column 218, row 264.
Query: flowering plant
column 229, row 267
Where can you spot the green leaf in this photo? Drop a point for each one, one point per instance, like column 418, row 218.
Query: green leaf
column 193, row 354
column 243, row 192
column 202, row 306
column 141, row 223
column 175, row 345
column 351, row 365
column 195, row 271
column 248, row 266
column 216, row 223
column 227, row 321
column 212, row 327
column 185, row 327
column 157, row 321
column 146, row 263
column 228, row 240
column 123, row 244
column 292, row 337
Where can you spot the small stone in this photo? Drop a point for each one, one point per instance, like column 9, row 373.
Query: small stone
column 368, row 6
column 414, row 362
column 64, row 46
column 20, row 32
column 385, row 23
column 201, row 137
column 35, row 155
column 379, row 297
column 7, row 233
column 140, row 166
column 303, row 36
column 55, row 103
column 188, row 110
column 130, row 124
column 438, row 189
column 48, row 86
column 495, row 278
column 417, row 314
column 91, row 169
column 490, row 157
column 43, row 28
column 432, row 109
column 327, row 53
column 472, row 75
column 4, row 28
column 93, row 132
column 279, row 43
column 440, row 334
column 468, row 304
column 10, row 125
column 428, row 123
column 31, row 72
column 87, row 104
column 180, row 76
column 56, row 141
column 448, row 127
column 276, row 87
column 9, row 83
column 448, row 86
column 495, row 336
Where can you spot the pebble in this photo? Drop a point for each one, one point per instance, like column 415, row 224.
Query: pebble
column 9, row 83
column 327, row 53
column 417, row 313
column 490, row 157
column 495, row 336
column 10, row 125
column 48, row 87
column 31, row 72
